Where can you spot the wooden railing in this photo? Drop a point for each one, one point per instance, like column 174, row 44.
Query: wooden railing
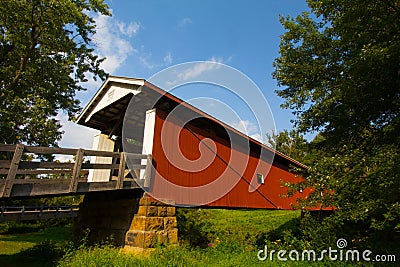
column 23, row 177
column 24, row 213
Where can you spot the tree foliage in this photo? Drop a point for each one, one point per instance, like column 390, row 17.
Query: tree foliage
column 340, row 71
column 45, row 55
column 290, row 143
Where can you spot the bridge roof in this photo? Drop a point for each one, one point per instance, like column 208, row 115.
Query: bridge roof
column 106, row 110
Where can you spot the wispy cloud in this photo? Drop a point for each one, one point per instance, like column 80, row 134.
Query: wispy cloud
column 248, row 128
column 184, row 22
column 112, row 41
column 146, row 58
column 195, row 71
column 75, row 135
column 168, row 59
column 128, row 29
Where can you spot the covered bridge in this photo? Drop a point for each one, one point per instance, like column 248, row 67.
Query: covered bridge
column 197, row 159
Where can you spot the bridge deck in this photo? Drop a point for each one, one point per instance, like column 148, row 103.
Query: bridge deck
column 56, row 187
column 21, row 177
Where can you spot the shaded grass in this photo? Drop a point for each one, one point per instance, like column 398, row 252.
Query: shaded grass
column 39, row 248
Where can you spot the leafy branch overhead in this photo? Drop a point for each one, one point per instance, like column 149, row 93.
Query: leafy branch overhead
column 45, row 54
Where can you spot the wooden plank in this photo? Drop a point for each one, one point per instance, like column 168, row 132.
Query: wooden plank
column 63, row 165
column 117, row 124
column 37, row 172
column 68, row 151
column 121, row 171
column 7, row 148
column 51, row 150
column 59, row 187
column 43, row 181
column 45, row 165
column 131, row 156
column 5, row 164
column 76, row 170
column 37, row 215
column 99, row 166
column 99, row 153
column 26, row 209
column 19, row 150
column 147, row 175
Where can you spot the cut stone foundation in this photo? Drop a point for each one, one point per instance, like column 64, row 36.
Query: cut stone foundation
column 106, row 216
column 127, row 219
column 154, row 224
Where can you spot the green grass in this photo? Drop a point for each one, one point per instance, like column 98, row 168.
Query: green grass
column 233, row 234
column 234, row 237
column 32, row 249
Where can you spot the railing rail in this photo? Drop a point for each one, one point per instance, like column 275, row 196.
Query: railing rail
column 18, row 170
column 19, row 213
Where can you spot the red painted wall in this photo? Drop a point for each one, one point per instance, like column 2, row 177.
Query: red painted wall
column 196, row 167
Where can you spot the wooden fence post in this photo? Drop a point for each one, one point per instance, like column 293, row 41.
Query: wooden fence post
column 19, row 150
column 121, row 171
column 77, row 169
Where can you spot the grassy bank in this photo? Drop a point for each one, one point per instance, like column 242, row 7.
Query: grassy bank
column 208, row 238
column 31, row 245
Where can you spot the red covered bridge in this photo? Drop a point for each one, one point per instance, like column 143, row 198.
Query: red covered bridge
column 151, row 141
column 197, row 160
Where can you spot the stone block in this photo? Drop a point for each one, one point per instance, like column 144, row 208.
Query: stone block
column 170, row 223
column 130, row 238
column 171, row 211
column 172, row 236
column 149, row 211
column 150, row 239
column 162, row 237
column 148, row 201
column 146, row 223
column 141, row 239
column 138, row 223
column 162, row 211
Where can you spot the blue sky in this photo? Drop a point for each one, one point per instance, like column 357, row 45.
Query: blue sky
column 145, row 37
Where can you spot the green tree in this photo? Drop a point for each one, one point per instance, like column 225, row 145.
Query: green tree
column 290, row 143
column 340, row 73
column 45, row 56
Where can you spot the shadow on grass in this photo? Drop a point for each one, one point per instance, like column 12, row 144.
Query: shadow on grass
column 56, row 234
column 42, row 254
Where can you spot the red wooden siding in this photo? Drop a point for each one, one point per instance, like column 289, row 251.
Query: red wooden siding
column 242, row 168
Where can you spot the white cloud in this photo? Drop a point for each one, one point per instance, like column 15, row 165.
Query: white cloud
column 112, row 42
column 184, row 22
column 257, row 137
column 195, row 71
column 248, row 128
column 75, row 136
column 130, row 29
column 245, row 126
column 146, row 59
column 168, row 59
